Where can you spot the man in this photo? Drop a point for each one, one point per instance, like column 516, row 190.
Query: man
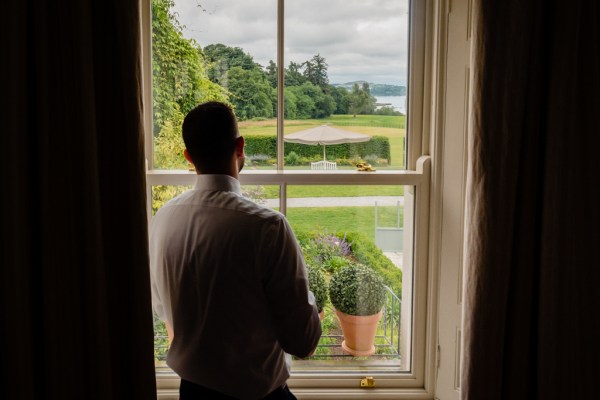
column 228, row 277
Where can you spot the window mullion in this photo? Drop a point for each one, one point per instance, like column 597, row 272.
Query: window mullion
column 280, row 86
column 280, row 102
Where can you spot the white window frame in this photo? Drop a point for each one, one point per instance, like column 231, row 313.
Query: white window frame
column 427, row 46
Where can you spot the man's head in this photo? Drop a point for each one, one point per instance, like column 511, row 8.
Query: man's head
column 212, row 140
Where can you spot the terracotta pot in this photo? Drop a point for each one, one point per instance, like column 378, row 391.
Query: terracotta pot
column 359, row 333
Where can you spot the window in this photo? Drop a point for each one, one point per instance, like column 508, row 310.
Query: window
column 289, row 67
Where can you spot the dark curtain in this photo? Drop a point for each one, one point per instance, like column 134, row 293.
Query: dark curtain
column 76, row 320
column 532, row 319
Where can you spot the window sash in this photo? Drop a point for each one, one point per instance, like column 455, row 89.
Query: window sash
column 415, row 384
column 419, row 179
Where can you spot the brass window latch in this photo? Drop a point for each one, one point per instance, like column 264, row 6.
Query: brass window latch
column 367, row 382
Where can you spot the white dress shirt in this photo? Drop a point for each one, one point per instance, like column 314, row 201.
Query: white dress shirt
column 229, row 277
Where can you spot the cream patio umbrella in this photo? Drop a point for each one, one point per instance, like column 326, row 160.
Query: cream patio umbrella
column 326, row 134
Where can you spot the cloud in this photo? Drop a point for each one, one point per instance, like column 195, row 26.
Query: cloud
column 360, row 39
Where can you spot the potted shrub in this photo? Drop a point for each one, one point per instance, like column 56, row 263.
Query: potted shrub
column 318, row 285
column 358, row 295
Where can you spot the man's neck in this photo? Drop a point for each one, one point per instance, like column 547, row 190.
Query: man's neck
column 233, row 174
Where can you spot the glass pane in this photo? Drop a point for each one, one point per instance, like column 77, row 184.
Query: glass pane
column 345, row 84
column 343, row 232
column 214, row 50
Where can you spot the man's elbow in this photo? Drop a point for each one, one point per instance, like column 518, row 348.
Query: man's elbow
column 306, row 346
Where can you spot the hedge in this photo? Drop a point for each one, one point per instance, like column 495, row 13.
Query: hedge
column 366, row 252
column 267, row 145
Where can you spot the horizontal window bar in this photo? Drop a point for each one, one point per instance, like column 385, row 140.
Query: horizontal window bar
column 179, row 177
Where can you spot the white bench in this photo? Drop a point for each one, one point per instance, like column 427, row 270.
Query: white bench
column 323, row 165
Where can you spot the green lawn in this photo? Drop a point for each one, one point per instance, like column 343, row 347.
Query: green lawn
column 343, row 219
column 388, row 121
column 272, row 192
column 269, row 127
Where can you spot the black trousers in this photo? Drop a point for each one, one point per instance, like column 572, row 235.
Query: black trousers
column 192, row 391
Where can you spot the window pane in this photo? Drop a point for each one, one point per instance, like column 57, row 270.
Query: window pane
column 346, row 74
column 338, row 227
column 214, row 50
column 344, row 230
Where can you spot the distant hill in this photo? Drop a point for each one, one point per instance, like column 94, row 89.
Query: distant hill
column 377, row 89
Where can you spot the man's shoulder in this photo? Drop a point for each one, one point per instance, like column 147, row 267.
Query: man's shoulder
column 255, row 210
column 180, row 199
column 216, row 204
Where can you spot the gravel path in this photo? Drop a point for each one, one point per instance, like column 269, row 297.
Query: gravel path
column 394, row 257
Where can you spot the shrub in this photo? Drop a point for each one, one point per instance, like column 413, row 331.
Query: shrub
column 350, row 162
column 371, row 159
column 357, row 290
column 256, row 159
column 292, row 158
column 308, row 160
column 317, row 285
column 323, row 247
column 334, row 263
column 387, row 110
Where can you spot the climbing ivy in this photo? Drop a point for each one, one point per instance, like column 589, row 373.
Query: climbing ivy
column 180, row 82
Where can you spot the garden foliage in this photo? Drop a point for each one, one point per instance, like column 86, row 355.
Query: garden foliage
column 332, row 252
column 318, row 285
column 357, row 290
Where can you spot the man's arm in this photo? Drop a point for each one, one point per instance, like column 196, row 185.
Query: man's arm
column 293, row 310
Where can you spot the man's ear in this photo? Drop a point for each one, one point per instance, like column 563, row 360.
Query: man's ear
column 239, row 146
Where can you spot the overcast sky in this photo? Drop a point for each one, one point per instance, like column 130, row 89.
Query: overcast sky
column 360, row 39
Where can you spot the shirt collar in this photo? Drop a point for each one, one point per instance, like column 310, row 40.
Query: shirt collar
column 220, row 183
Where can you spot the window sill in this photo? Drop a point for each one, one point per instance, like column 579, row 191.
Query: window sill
column 299, row 177
column 314, row 387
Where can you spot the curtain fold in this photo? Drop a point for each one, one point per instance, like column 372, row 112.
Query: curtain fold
column 75, row 287
column 532, row 307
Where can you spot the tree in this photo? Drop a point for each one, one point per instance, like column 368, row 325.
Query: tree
column 324, row 103
column 293, row 75
column 311, row 102
column 369, row 99
column 360, row 100
column 220, row 58
column 315, row 71
column 305, row 105
column 341, row 97
column 289, row 104
column 251, row 93
column 271, row 73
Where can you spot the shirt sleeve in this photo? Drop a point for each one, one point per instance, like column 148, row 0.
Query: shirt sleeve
column 156, row 272
column 292, row 306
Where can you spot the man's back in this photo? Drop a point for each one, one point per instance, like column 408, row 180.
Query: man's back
column 228, row 276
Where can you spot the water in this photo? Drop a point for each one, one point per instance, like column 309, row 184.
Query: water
column 398, row 102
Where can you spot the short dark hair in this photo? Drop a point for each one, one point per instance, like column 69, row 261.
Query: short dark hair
column 209, row 133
